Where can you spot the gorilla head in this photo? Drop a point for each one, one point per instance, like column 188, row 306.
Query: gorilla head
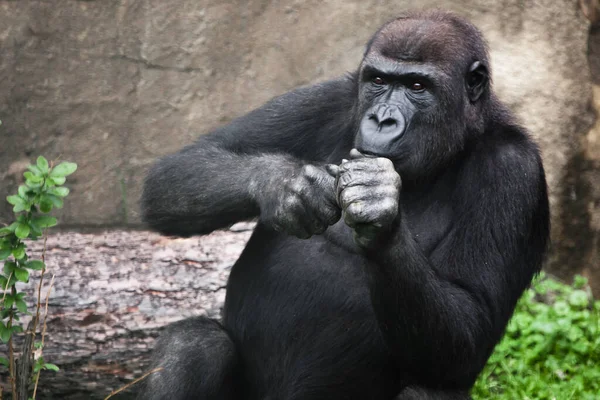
column 423, row 91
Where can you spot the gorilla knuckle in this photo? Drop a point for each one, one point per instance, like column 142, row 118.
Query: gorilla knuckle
column 389, row 207
column 356, row 210
column 350, row 195
column 292, row 203
column 385, row 163
column 310, row 171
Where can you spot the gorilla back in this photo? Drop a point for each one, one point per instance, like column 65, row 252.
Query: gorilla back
column 402, row 213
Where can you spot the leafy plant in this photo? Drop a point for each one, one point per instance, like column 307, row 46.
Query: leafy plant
column 551, row 349
column 41, row 193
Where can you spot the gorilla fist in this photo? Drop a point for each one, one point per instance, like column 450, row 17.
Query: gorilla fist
column 302, row 205
column 368, row 191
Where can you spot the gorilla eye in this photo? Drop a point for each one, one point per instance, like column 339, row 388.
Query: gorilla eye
column 417, row 87
column 378, row 81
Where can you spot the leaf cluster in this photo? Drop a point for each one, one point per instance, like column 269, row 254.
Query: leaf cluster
column 551, row 349
column 41, row 192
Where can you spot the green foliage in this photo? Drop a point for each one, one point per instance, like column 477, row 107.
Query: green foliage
column 551, row 349
column 40, row 194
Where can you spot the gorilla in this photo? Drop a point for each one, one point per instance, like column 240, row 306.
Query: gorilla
column 401, row 214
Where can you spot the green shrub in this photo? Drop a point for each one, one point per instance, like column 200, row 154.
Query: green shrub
column 41, row 192
column 551, row 349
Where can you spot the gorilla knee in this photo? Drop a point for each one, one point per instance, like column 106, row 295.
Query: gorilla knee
column 197, row 359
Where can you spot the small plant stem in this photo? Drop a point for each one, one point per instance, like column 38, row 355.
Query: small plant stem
column 6, row 288
column 36, row 320
column 11, row 356
column 119, row 390
column 44, row 326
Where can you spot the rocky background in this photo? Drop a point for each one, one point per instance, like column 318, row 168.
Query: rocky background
column 115, row 84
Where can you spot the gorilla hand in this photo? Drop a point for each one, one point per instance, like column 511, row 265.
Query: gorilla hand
column 302, row 205
column 368, row 191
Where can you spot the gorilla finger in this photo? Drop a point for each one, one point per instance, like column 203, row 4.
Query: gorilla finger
column 333, row 170
column 367, row 230
column 332, row 215
column 299, row 231
column 319, row 227
column 355, row 154
column 365, row 235
column 355, row 214
column 356, row 178
column 361, row 164
column 372, row 193
column 351, row 194
column 378, row 213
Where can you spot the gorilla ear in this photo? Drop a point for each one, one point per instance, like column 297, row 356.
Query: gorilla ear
column 477, row 80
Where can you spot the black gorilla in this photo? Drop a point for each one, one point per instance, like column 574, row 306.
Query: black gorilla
column 402, row 212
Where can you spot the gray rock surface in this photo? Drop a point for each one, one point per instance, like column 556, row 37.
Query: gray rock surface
column 114, row 84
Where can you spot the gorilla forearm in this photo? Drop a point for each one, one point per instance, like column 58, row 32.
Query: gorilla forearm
column 448, row 328
column 204, row 188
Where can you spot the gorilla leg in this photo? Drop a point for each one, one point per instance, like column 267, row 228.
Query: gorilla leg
column 419, row 393
column 198, row 361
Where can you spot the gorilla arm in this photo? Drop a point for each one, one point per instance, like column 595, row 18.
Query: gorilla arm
column 258, row 164
column 453, row 306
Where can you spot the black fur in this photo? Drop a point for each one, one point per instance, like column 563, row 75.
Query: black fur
column 411, row 313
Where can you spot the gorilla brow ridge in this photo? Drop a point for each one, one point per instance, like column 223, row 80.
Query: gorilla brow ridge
column 448, row 30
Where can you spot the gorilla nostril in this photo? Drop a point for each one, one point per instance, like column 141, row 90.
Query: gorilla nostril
column 388, row 122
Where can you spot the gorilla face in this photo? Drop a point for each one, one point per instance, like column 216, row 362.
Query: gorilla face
column 414, row 105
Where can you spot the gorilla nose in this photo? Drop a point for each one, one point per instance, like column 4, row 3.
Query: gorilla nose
column 383, row 119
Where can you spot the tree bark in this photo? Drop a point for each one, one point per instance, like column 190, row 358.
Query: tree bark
column 113, row 292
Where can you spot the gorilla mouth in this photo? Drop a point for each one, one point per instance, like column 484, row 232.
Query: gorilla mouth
column 368, row 153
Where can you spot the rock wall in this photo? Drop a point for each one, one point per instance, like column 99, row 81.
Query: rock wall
column 114, row 84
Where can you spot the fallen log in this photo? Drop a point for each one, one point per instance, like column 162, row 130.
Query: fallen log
column 112, row 294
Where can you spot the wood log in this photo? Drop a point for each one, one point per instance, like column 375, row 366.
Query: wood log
column 113, row 292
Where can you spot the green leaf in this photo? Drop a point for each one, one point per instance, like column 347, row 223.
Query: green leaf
column 36, row 171
column 31, row 177
column 21, row 306
column 59, row 191
column 51, row 367
column 22, row 274
column 8, row 301
column 35, row 230
column 9, row 267
column 4, row 361
column 22, row 230
column 579, row 298
column 54, row 200
column 42, row 164
column 45, row 206
column 35, row 265
column 19, row 207
column 14, row 200
column 33, row 186
column 56, row 181
column 19, row 252
column 63, row 169
column 5, row 334
column 5, row 231
column 45, row 221
column 4, row 253
column 39, row 364
column 24, row 192
column 3, row 282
